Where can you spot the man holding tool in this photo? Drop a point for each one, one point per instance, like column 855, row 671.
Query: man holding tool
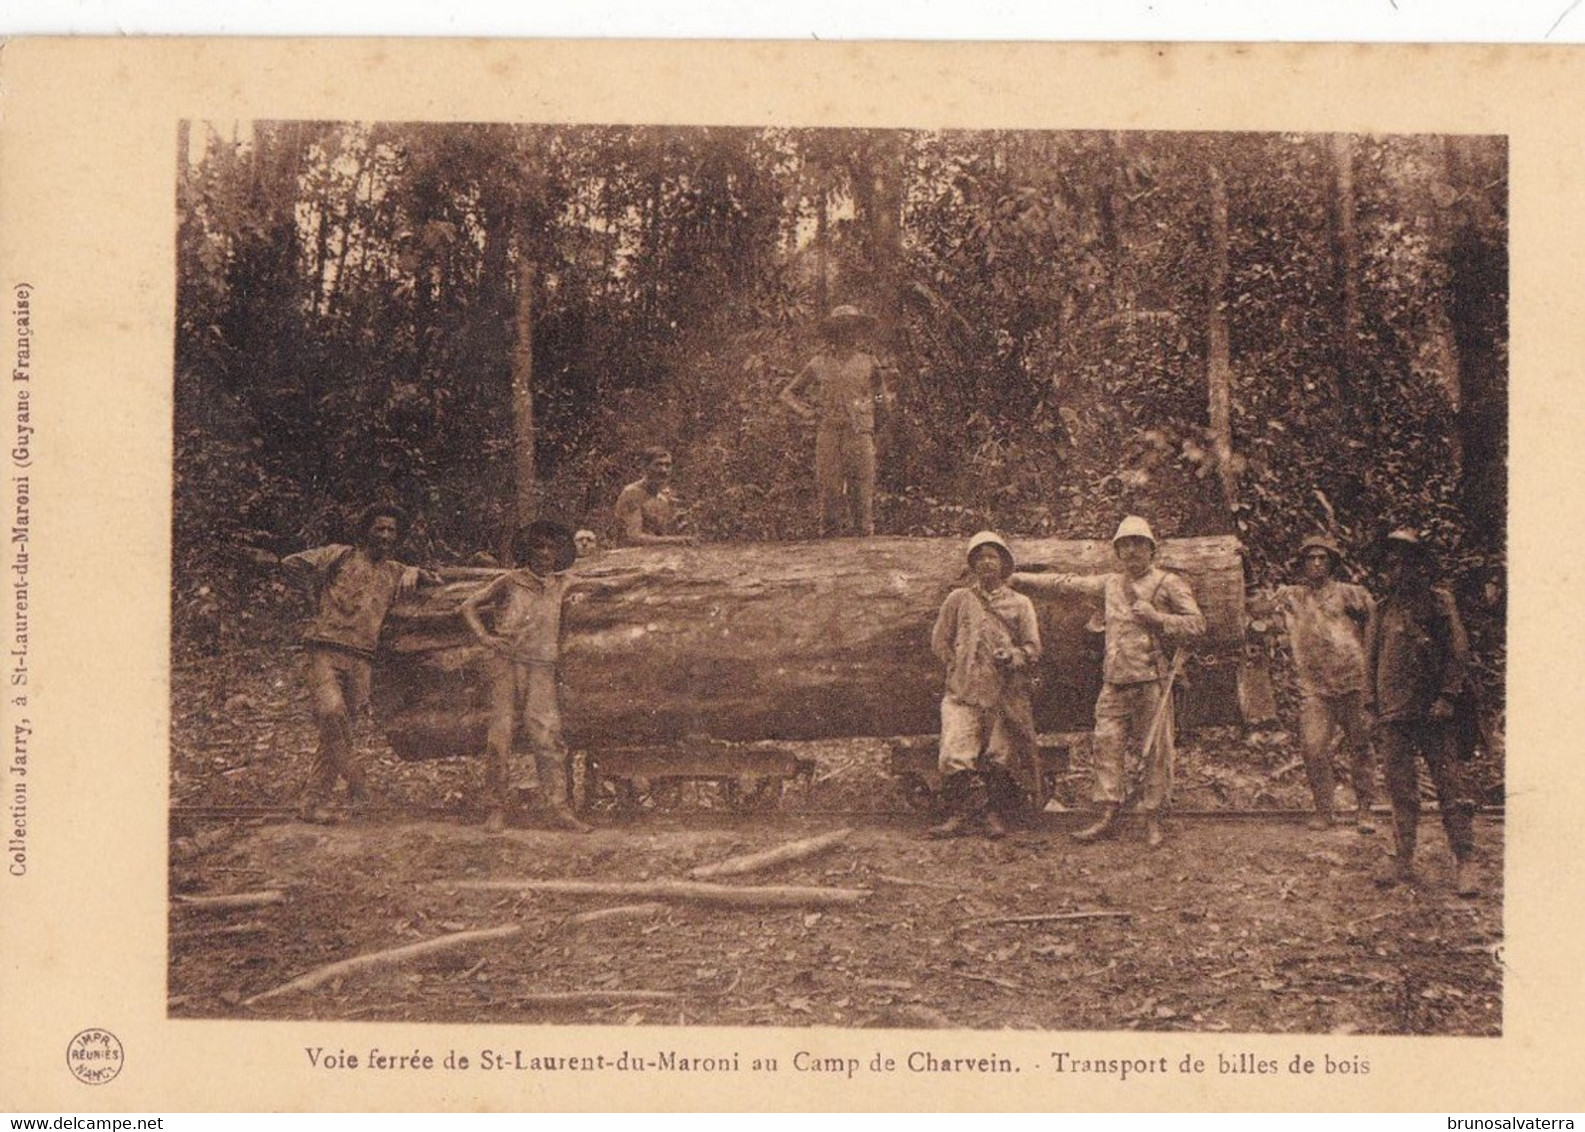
column 1144, row 608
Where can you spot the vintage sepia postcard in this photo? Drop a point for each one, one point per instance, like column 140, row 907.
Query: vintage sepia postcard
column 698, row 575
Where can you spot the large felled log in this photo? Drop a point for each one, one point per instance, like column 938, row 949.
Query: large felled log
column 784, row 641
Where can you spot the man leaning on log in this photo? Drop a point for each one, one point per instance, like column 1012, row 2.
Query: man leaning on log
column 1145, row 609
column 988, row 637
column 354, row 588
column 525, row 650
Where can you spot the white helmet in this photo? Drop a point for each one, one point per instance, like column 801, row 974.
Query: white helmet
column 1133, row 526
column 991, row 538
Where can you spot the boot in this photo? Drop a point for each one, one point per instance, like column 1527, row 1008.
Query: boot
column 1465, row 883
column 495, row 822
column 1363, row 822
column 1005, row 802
column 955, row 797
column 1318, row 821
column 1104, row 826
column 1395, row 870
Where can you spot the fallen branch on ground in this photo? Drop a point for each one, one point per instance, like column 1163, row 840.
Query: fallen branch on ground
column 910, row 882
column 230, row 901
column 252, row 927
column 728, row 896
column 1045, row 917
column 620, row 912
column 753, row 862
column 389, row 958
column 593, row 998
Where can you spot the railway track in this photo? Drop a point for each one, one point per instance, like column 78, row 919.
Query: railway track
column 182, row 815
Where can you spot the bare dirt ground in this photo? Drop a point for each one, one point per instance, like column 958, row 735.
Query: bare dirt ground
column 1235, row 925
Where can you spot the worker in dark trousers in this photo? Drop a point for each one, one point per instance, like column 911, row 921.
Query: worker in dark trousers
column 1418, row 661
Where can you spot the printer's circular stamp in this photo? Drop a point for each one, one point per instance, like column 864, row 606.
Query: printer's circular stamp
column 94, row 1056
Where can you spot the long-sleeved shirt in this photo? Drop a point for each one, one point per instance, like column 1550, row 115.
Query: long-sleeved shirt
column 355, row 594
column 970, row 628
column 1418, row 654
column 1326, row 630
column 1133, row 652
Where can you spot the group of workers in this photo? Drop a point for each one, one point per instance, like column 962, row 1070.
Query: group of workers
column 1402, row 662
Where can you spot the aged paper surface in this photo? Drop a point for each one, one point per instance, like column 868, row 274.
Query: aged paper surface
column 88, row 135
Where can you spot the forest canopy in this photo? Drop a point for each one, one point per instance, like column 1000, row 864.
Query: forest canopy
column 1261, row 334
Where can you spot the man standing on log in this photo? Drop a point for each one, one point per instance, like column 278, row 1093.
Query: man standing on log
column 1418, row 660
column 646, row 509
column 355, row 588
column 987, row 636
column 1326, row 621
column 525, row 650
column 848, row 384
column 1144, row 608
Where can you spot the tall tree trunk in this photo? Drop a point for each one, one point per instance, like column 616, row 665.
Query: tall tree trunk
column 822, row 245
column 1345, row 259
column 886, row 232
column 523, row 400
column 1219, row 368
column 1478, row 311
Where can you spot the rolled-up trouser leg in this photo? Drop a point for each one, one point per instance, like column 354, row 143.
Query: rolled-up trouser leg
column 1315, row 743
column 964, row 730
column 339, row 687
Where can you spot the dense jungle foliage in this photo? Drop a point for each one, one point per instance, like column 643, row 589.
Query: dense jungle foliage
column 1063, row 311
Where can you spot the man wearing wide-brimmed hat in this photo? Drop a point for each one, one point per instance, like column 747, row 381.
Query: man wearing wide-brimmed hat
column 1417, row 662
column 848, row 383
column 1326, row 619
column 525, row 650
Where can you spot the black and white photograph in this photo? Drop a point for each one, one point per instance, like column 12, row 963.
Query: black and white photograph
column 835, row 577
column 552, row 576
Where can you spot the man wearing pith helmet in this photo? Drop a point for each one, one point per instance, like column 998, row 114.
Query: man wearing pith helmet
column 1147, row 611
column 988, row 637
column 1326, row 621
